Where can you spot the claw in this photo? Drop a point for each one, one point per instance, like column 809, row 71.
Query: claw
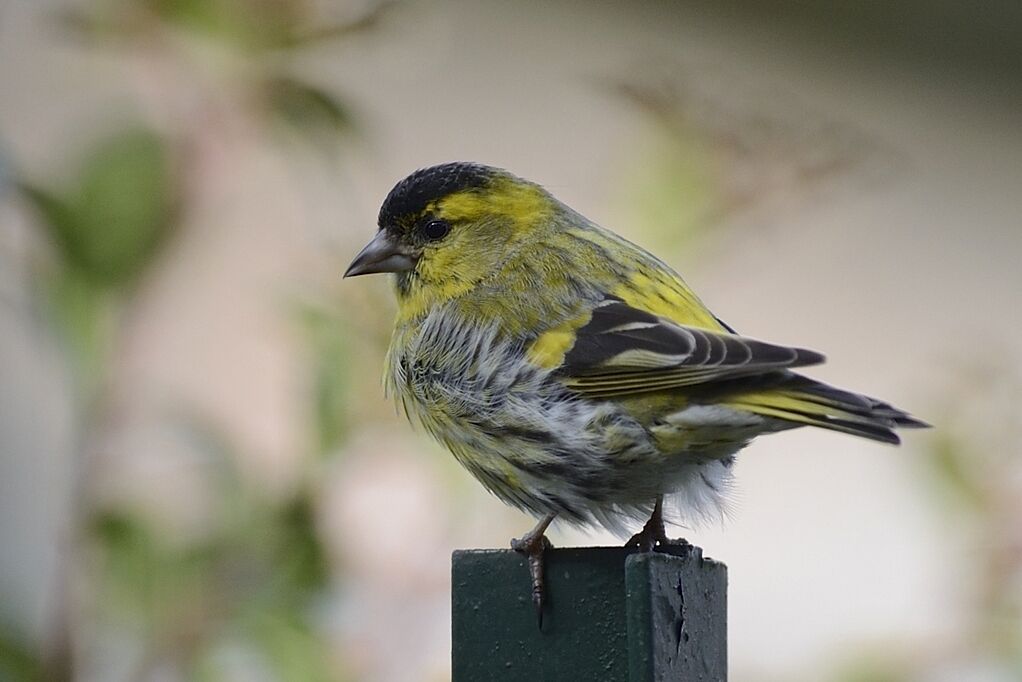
column 653, row 532
column 532, row 545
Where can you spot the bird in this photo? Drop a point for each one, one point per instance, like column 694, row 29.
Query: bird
column 571, row 372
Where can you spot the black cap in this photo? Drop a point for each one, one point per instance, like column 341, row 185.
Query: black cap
column 410, row 196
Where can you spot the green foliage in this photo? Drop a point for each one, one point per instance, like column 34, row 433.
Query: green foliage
column 250, row 26
column 252, row 581
column 248, row 23
column 307, row 109
column 292, row 649
column 18, row 661
column 108, row 224
column 146, row 577
column 255, row 579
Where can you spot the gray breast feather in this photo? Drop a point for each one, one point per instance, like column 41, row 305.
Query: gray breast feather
column 529, row 440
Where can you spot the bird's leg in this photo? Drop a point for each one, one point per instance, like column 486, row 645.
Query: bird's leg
column 532, row 545
column 653, row 532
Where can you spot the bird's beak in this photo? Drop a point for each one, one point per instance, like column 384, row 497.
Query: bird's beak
column 382, row 254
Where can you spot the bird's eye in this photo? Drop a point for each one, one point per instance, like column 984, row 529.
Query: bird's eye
column 436, row 229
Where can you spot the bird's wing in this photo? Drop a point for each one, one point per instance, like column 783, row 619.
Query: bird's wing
column 621, row 349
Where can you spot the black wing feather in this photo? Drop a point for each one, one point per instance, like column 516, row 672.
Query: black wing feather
column 622, row 349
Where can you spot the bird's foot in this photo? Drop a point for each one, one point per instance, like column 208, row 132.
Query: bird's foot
column 532, row 545
column 654, row 533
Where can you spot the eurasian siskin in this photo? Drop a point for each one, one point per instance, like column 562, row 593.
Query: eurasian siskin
column 575, row 375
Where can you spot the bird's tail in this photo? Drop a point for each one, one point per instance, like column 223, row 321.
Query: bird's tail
column 800, row 400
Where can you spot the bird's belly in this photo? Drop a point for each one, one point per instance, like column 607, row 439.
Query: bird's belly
column 589, row 461
column 543, row 449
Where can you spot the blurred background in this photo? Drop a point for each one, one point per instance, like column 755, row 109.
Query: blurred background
column 200, row 478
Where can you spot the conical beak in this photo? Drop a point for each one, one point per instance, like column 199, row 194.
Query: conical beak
column 382, row 254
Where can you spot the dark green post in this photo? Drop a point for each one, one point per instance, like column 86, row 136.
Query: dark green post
column 612, row 614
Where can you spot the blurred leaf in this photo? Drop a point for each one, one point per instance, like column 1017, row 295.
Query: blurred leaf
column 250, row 25
column 148, row 578
column 306, row 108
column 276, row 559
column 123, row 204
column 56, row 213
column 264, row 24
column 203, row 14
column 367, row 22
column 304, row 557
column 258, row 573
column 18, row 661
column 295, row 652
column 244, row 23
column 111, row 223
column 247, row 23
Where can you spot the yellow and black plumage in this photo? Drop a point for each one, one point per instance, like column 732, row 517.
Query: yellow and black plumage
column 573, row 373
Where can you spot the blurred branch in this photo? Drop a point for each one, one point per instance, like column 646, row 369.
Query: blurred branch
column 719, row 155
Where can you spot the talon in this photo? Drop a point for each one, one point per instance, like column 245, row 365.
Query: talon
column 653, row 532
column 532, row 545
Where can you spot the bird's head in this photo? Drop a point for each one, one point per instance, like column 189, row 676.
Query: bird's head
column 445, row 228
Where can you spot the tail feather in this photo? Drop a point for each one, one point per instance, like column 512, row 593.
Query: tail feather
column 803, row 401
column 854, row 403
